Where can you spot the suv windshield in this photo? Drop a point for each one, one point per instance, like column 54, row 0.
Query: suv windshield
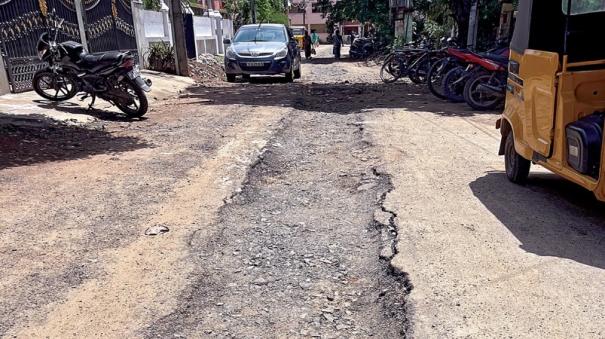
column 584, row 6
column 260, row 34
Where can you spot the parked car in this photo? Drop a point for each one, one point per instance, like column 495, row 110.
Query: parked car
column 263, row 49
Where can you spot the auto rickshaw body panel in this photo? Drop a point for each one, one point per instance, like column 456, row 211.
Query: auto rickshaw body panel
column 554, row 81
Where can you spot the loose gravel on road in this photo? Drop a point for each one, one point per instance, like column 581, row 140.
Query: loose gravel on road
column 332, row 207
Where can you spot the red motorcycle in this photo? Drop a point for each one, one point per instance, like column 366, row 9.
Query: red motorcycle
column 486, row 87
column 469, row 64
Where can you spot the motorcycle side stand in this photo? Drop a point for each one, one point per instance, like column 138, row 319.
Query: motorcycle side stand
column 92, row 103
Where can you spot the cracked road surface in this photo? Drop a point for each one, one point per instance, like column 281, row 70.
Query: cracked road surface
column 336, row 206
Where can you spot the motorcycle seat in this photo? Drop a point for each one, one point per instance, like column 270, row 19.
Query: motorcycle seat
column 73, row 49
column 501, row 59
column 105, row 58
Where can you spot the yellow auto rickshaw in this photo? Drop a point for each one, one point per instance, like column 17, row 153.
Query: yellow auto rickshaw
column 556, row 93
column 299, row 35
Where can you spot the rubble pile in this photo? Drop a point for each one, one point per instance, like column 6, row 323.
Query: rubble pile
column 207, row 68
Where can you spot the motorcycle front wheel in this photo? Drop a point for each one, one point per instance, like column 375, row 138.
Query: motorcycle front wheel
column 54, row 86
column 435, row 77
column 136, row 106
column 419, row 74
column 453, row 84
column 391, row 70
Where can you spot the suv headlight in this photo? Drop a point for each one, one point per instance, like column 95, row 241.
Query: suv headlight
column 230, row 54
column 282, row 53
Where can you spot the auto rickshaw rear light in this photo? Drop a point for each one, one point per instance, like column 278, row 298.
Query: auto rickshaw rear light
column 584, row 143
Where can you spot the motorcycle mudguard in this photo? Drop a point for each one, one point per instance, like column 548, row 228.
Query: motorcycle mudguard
column 144, row 84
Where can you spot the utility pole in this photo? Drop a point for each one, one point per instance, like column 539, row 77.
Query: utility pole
column 253, row 10
column 473, row 25
column 302, row 6
column 178, row 37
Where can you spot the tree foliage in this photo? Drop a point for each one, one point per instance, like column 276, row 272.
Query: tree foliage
column 584, row 6
column 151, row 4
column 373, row 12
column 267, row 11
column 271, row 11
column 438, row 18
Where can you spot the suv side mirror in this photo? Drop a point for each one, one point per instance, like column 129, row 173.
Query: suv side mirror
column 227, row 41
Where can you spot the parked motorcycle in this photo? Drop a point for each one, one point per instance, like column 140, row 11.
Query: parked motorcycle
column 468, row 64
column 486, row 86
column 111, row 76
column 455, row 57
column 411, row 61
column 361, row 48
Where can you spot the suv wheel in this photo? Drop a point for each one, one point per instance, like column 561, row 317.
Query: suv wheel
column 230, row 77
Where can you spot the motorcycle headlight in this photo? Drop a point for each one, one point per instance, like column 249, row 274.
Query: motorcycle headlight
column 282, row 53
column 230, row 54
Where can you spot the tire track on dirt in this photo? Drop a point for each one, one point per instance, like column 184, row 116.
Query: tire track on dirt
column 141, row 280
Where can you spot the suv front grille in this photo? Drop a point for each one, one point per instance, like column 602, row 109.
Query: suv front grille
column 264, row 54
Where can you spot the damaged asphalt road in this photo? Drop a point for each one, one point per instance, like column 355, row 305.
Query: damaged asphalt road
column 333, row 207
column 297, row 250
column 257, row 211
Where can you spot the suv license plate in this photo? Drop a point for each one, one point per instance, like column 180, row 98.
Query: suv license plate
column 255, row 64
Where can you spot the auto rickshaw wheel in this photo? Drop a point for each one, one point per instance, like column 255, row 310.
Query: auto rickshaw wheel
column 517, row 167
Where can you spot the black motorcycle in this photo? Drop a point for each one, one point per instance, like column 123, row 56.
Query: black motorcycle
column 111, row 76
column 362, row 48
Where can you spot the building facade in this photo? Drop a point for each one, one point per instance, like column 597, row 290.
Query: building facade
column 307, row 13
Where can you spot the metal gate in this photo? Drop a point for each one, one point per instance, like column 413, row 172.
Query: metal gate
column 21, row 23
column 108, row 25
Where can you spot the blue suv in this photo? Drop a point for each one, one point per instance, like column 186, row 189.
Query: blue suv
column 263, row 49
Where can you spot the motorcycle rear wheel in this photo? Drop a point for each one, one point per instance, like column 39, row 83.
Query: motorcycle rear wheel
column 46, row 82
column 420, row 73
column 483, row 101
column 133, row 109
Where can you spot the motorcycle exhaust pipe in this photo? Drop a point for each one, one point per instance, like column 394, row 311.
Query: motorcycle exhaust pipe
column 492, row 90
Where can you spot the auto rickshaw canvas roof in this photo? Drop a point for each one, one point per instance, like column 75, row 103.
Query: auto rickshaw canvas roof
column 553, row 26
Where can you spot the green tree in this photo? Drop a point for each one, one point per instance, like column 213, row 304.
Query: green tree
column 267, row 11
column 238, row 11
column 271, row 11
column 436, row 18
column 373, row 12
column 585, row 6
column 151, row 4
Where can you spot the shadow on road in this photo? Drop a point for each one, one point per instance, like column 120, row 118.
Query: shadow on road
column 550, row 216
column 73, row 108
column 330, row 60
column 340, row 98
column 36, row 139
